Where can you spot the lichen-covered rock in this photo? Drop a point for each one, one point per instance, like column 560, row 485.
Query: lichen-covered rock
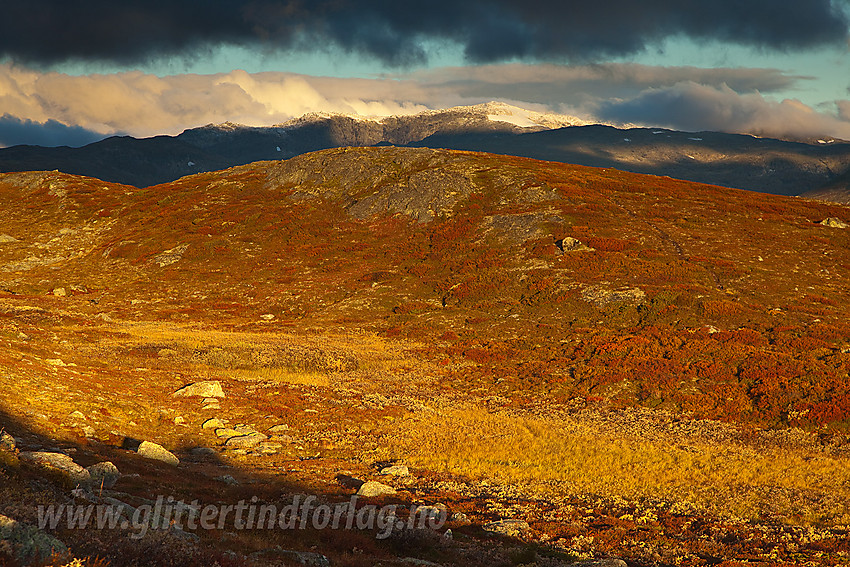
column 156, row 452
column 58, row 464
column 373, row 489
column 104, row 474
column 29, row 545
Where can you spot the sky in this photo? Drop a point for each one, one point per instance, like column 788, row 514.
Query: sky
column 75, row 72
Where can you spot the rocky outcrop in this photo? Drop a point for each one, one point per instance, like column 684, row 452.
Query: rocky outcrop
column 207, row 389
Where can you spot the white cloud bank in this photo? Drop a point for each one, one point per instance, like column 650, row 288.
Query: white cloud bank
column 138, row 104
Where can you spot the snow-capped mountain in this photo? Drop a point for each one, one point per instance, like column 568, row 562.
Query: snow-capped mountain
column 745, row 162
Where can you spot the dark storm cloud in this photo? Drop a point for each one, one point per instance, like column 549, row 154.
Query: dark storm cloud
column 48, row 31
column 14, row 131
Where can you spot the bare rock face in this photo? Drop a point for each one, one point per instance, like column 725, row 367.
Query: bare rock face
column 421, row 183
column 206, row 389
column 158, row 453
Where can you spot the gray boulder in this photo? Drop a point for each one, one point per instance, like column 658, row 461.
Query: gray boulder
column 29, row 545
column 59, row 464
column 104, row 474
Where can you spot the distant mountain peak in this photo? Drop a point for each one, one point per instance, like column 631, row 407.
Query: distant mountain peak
column 494, row 111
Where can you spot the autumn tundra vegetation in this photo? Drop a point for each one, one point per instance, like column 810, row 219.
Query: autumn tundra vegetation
column 574, row 364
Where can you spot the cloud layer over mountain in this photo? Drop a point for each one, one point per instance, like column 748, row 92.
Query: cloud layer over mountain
column 58, row 109
column 49, row 31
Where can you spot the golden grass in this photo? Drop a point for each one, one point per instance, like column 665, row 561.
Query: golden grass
column 279, row 376
column 570, row 457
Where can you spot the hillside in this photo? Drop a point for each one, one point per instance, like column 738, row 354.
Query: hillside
column 731, row 160
column 663, row 365
column 838, row 191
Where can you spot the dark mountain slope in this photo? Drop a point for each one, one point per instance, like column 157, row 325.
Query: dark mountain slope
column 744, row 162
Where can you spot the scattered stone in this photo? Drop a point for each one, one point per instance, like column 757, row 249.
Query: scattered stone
column 245, row 429
column 600, row 296
column 267, row 316
column 212, row 406
column 419, row 562
column 23, row 336
column 55, row 362
column 226, row 432
column 509, row 528
column 227, row 479
column 60, row 292
column 373, row 489
column 396, row 470
column 126, row 510
column 202, row 451
column 570, row 244
column 269, row 448
column 170, row 256
column 308, row 558
column 209, row 401
column 213, row 423
column 833, row 222
column 349, row 481
column 58, row 463
column 104, row 474
column 78, row 415
column 158, row 453
column 245, row 441
column 461, row 518
column 607, row 562
column 437, row 511
column 7, row 441
column 6, row 239
column 180, row 421
column 28, row 545
column 278, row 428
column 206, row 389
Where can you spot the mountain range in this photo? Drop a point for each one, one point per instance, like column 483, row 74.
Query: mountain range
column 816, row 168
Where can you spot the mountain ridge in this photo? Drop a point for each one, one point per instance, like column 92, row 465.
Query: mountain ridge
column 732, row 160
